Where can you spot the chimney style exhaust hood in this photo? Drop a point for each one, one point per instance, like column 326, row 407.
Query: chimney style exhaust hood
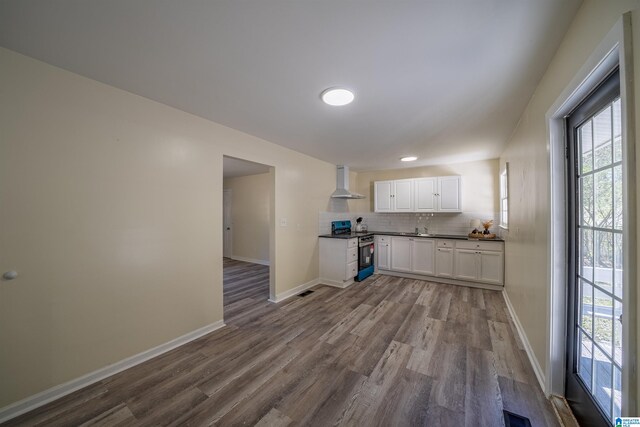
column 342, row 190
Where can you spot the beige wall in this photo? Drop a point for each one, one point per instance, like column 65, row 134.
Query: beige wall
column 250, row 196
column 111, row 208
column 527, row 153
column 480, row 184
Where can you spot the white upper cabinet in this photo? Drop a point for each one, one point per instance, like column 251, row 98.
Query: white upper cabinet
column 435, row 194
column 425, row 194
column 383, row 199
column 449, row 194
column 402, row 199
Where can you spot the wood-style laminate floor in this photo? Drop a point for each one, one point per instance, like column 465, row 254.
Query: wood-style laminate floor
column 243, row 280
column 384, row 352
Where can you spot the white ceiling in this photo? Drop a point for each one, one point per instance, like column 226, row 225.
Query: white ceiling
column 233, row 168
column 444, row 80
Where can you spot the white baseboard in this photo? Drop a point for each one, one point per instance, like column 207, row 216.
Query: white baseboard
column 295, row 291
column 56, row 392
column 527, row 347
column 335, row 283
column 251, row 260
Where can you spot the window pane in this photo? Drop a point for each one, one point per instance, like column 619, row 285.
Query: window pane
column 603, row 321
column 586, row 194
column 617, row 131
column 618, row 272
column 586, row 308
column 617, row 197
column 602, row 138
column 585, row 257
column 585, row 141
column 617, row 393
column 503, row 212
column 603, row 272
column 617, row 312
column 604, row 199
column 585, row 351
column 603, row 377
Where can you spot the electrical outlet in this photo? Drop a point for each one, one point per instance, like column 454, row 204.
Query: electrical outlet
column 283, row 222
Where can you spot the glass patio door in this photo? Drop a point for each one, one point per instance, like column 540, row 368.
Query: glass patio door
column 594, row 350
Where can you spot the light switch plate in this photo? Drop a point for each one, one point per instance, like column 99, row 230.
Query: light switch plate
column 283, row 222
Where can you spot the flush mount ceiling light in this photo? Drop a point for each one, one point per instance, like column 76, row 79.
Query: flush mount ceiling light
column 408, row 159
column 337, row 96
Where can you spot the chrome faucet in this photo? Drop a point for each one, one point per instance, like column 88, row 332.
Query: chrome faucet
column 426, row 230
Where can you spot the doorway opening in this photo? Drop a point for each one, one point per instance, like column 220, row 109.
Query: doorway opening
column 247, row 217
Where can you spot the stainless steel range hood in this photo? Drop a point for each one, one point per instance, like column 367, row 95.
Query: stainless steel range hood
column 342, row 190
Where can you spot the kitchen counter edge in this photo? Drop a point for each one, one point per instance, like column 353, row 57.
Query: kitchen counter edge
column 400, row 234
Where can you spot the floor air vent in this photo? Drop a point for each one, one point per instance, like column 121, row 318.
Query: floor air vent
column 305, row 293
column 514, row 420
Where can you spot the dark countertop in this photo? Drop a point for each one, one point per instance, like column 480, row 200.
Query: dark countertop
column 352, row 235
column 407, row 234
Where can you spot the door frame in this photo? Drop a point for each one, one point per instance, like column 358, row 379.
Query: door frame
column 601, row 96
column 614, row 50
column 227, row 250
column 272, row 221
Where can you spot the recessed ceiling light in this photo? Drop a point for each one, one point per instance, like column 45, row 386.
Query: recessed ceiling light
column 337, row 96
column 408, row 159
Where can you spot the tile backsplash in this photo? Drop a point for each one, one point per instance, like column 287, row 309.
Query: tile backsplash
column 437, row 223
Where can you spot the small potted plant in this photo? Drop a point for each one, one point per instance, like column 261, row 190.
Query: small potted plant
column 486, row 234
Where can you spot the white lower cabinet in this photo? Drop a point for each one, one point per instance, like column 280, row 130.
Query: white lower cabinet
column 466, row 264
column 464, row 260
column 401, row 254
column 422, row 256
column 444, row 262
column 383, row 252
column 338, row 261
column 479, row 262
column 491, row 267
column 412, row 255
